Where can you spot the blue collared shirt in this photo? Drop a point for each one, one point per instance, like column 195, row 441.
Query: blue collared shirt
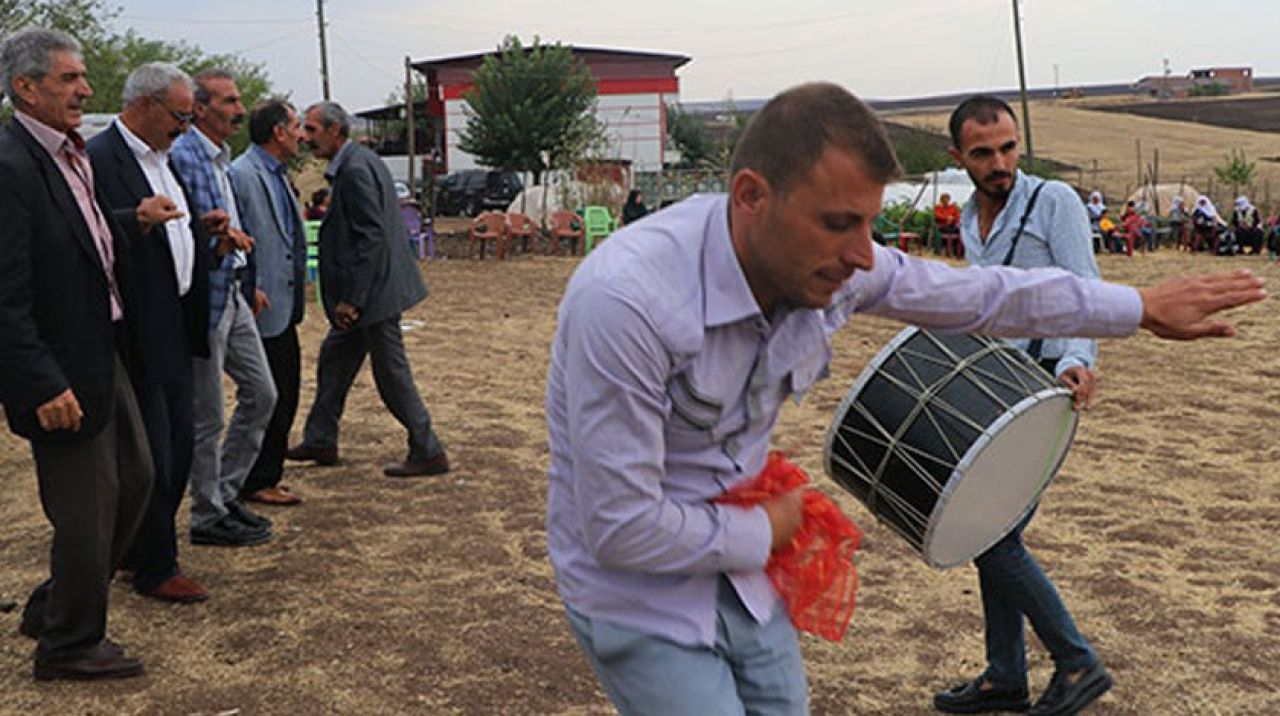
column 665, row 385
column 1057, row 234
column 281, row 195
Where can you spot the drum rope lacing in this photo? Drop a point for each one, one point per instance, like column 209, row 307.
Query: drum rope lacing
column 924, row 395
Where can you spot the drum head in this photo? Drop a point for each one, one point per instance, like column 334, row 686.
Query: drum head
column 1000, row 478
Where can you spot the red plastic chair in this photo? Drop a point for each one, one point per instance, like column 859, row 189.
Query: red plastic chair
column 521, row 227
column 566, row 225
column 490, row 226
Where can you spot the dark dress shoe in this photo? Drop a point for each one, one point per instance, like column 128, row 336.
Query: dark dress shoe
column 437, row 465
column 312, row 453
column 971, row 698
column 229, row 532
column 30, row 628
column 242, row 514
column 179, row 588
column 103, row 662
column 1064, row 698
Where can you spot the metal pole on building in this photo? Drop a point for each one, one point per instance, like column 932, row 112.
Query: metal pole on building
column 1022, row 82
column 409, row 112
column 324, row 51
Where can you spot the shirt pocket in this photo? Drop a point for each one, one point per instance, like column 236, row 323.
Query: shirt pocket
column 694, row 414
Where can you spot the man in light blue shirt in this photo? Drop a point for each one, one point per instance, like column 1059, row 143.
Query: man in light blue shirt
column 1016, row 219
column 678, row 341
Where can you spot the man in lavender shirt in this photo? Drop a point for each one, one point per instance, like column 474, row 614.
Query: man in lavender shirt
column 678, row 341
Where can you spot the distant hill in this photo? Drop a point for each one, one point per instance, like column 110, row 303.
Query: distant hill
column 1260, row 114
column 1261, row 84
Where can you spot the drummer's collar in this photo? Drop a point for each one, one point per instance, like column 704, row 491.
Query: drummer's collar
column 726, row 295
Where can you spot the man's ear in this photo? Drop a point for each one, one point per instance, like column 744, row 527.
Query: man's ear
column 956, row 156
column 749, row 191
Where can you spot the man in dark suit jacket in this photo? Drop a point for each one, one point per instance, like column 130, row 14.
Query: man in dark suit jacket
column 367, row 277
column 170, row 256
column 269, row 212
column 64, row 301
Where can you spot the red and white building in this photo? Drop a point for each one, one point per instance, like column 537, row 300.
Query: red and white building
column 633, row 88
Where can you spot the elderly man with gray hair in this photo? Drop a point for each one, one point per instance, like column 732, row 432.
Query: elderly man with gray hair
column 367, row 277
column 64, row 305
column 170, row 250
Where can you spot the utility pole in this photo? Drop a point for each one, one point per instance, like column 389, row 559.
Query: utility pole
column 1022, row 82
column 409, row 112
column 324, row 51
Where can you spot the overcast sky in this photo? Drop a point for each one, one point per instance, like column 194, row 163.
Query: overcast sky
column 739, row 48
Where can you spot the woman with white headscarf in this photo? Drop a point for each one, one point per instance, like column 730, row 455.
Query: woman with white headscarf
column 1247, row 225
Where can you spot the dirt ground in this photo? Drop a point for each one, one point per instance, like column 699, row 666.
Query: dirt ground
column 435, row 596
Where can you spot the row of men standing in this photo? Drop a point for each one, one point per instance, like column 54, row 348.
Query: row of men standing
column 134, row 271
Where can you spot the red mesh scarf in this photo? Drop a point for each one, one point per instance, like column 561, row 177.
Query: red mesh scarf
column 814, row 574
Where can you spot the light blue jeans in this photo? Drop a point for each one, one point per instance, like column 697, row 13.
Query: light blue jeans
column 1013, row 586
column 752, row 668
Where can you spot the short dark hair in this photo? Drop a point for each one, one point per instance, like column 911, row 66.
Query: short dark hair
column 982, row 108
column 265, row 117
column 787, row 137
column 201, row 78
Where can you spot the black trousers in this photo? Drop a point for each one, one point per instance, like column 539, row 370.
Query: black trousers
column 94, row 493
column 285, row 360
column 341, row 355
column 167, row 412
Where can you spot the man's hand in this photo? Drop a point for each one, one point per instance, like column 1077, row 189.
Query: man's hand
column 1083, row 383
column 1179, row 308
column 785, row 515
column 345, row 316
column 240, row 240
column 260, row 302
column 156, row 210
column 216, row 222
column 61, row 413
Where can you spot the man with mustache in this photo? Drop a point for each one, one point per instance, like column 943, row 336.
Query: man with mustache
column 169, row 249
column 368, row 277
column 202, row 158
column 1015, row 219
column 66, row 317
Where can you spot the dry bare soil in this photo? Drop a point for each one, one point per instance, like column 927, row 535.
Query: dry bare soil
column 434, row 596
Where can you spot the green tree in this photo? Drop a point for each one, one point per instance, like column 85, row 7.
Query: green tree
column 531, row 109
column 109, row 57
column 1236, row 171
column 689, row 134
column 85, row 19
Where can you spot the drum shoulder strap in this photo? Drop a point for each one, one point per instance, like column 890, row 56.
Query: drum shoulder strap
column 1036, row 344
column 1022, row 225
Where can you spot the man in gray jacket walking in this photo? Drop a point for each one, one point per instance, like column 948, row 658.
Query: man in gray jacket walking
column 367, row 278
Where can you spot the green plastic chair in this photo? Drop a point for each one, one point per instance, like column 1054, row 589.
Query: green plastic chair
column 313, row 256
column 599, row 224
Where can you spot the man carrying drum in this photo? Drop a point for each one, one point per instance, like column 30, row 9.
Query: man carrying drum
column 1016, row 219
column 676, row 345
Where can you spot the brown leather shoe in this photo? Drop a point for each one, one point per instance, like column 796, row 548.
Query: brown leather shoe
column 106, row 661
column 313, row 453
column 437, row 465
column 273, row 496
column 179, row 588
